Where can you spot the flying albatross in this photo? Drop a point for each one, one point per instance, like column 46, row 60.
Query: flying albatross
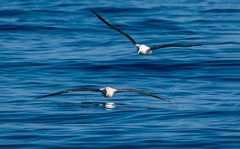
column 106, row 92
column 142, row 48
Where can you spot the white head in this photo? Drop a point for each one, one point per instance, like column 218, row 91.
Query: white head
column 143, row 49
column 108, row 91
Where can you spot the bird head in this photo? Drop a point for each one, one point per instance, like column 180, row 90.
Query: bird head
column 108, row 91
column 143, row 49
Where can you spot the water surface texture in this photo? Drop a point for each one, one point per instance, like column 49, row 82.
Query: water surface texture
column 47, row 46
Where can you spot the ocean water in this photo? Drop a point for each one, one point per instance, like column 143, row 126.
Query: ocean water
column 48, row 46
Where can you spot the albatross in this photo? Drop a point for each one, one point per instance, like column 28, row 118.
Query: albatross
column 142, row 48
column 106, row 92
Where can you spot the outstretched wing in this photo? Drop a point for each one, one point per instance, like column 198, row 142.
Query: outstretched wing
column 145, row 93
column 68, row 91
column 170, row 45
column 113, row 27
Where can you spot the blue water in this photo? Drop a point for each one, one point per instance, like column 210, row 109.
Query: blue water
column 47, row 46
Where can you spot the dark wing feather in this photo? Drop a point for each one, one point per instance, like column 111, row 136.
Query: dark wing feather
column 171, row 45
column 113, row 27
column 68, row 91
column 145, row 93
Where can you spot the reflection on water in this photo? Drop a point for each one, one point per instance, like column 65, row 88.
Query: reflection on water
column 102, row 105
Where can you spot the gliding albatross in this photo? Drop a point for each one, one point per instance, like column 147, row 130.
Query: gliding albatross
column 106, row 92
column 142, row 48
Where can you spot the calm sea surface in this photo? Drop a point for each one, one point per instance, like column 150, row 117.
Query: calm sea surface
column 47, row 46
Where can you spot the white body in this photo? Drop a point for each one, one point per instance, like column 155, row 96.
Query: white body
column 108, row 91
column 143, row 49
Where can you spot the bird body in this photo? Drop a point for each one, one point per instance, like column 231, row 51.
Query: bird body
column 108, row 91
column 143, row 49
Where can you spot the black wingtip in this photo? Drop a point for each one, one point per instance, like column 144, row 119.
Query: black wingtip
column 40, row 97
column 48, row 95
column 93, row 11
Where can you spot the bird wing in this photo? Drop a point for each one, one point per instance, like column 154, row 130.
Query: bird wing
column 113, row 27
column 68, row 91
column 170, row 45
column 144, row 93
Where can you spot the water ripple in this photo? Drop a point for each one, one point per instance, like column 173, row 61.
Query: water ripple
column 47, row 46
